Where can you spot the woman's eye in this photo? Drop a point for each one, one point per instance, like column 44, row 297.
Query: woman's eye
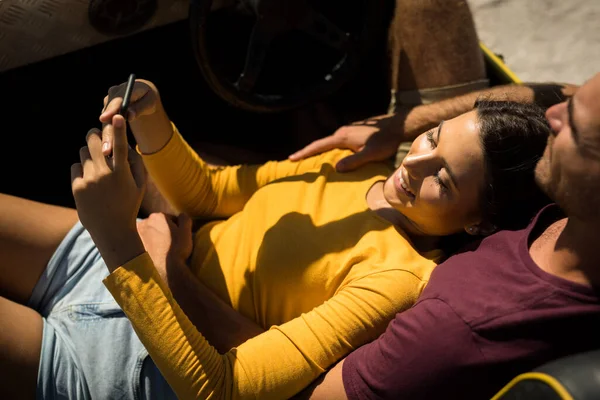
column 429, row 136
column 440, row 183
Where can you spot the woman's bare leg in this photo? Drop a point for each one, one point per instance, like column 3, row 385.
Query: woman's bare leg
column 20, row 346
column 30, row 232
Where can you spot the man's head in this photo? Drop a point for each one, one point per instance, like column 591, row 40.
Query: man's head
column 569, row 171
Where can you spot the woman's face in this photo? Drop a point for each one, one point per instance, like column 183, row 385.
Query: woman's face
column 438, row 186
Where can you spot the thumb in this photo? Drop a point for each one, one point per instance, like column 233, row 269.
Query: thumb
column 354, row 161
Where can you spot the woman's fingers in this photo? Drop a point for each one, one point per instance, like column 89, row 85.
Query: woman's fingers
column 111, row 109
column 120, row 146
column 142, row 100
column 137, row 168
column 94, row 144
column 87, row 165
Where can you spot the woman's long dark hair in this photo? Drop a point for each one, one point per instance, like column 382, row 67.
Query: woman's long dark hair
column 513, row 137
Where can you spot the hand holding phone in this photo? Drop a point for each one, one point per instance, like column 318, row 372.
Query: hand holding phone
column 134, row 100
column 127, row 96
column 107, row 139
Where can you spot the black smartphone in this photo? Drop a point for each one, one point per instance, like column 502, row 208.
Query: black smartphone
column 127, row 96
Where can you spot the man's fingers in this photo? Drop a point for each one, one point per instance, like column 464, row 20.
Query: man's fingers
column 354, row 161
column 317, row 147
column 120, row 147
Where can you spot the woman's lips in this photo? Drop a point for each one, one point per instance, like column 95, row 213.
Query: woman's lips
column 401, row 185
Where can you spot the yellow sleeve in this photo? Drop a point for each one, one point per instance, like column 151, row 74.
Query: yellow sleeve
column 200, row 190
column 274, row 365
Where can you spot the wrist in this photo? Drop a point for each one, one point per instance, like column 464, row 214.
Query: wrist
column 411, row 121
column 119, row 249
column 152, row 132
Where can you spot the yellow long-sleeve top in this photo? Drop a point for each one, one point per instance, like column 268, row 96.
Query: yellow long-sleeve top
column 301, row 253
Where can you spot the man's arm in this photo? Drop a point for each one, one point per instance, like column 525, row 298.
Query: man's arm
column 378, row 138
column 415, row 120
column 427, row 352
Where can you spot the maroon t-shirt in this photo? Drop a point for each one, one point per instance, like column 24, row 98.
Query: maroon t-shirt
column 487, row 315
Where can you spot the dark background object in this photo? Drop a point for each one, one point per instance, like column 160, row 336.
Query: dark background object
column 48, row 107
column 272, row 55
column 120, row 17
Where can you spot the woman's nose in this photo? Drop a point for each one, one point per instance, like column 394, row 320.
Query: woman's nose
column 418, row 165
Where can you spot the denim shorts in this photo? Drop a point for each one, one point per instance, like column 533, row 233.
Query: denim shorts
column 89, row 348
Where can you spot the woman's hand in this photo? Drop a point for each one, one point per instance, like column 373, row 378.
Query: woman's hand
column 108, row 192
column 167, row 238
column 147, row 118
column 145, row 100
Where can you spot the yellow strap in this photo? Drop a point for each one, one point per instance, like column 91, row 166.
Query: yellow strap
column 499, row 64
column 547, row 379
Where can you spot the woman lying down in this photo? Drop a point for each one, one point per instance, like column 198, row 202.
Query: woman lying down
column 321, row 261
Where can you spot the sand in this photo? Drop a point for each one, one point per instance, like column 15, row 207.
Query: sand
column 542, row 40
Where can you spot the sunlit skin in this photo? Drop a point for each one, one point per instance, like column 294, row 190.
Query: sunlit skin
column 437, row 188
column 569, row 171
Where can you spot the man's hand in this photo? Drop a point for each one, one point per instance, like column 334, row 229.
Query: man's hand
column 108, row 193
column 375, row 139
column 378, row 138
column 166, row 239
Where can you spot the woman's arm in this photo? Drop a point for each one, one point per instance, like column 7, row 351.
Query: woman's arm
column 199, row 190
column 278, row 363
column 168, row 241
column 223, row 327
column 189, row 184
